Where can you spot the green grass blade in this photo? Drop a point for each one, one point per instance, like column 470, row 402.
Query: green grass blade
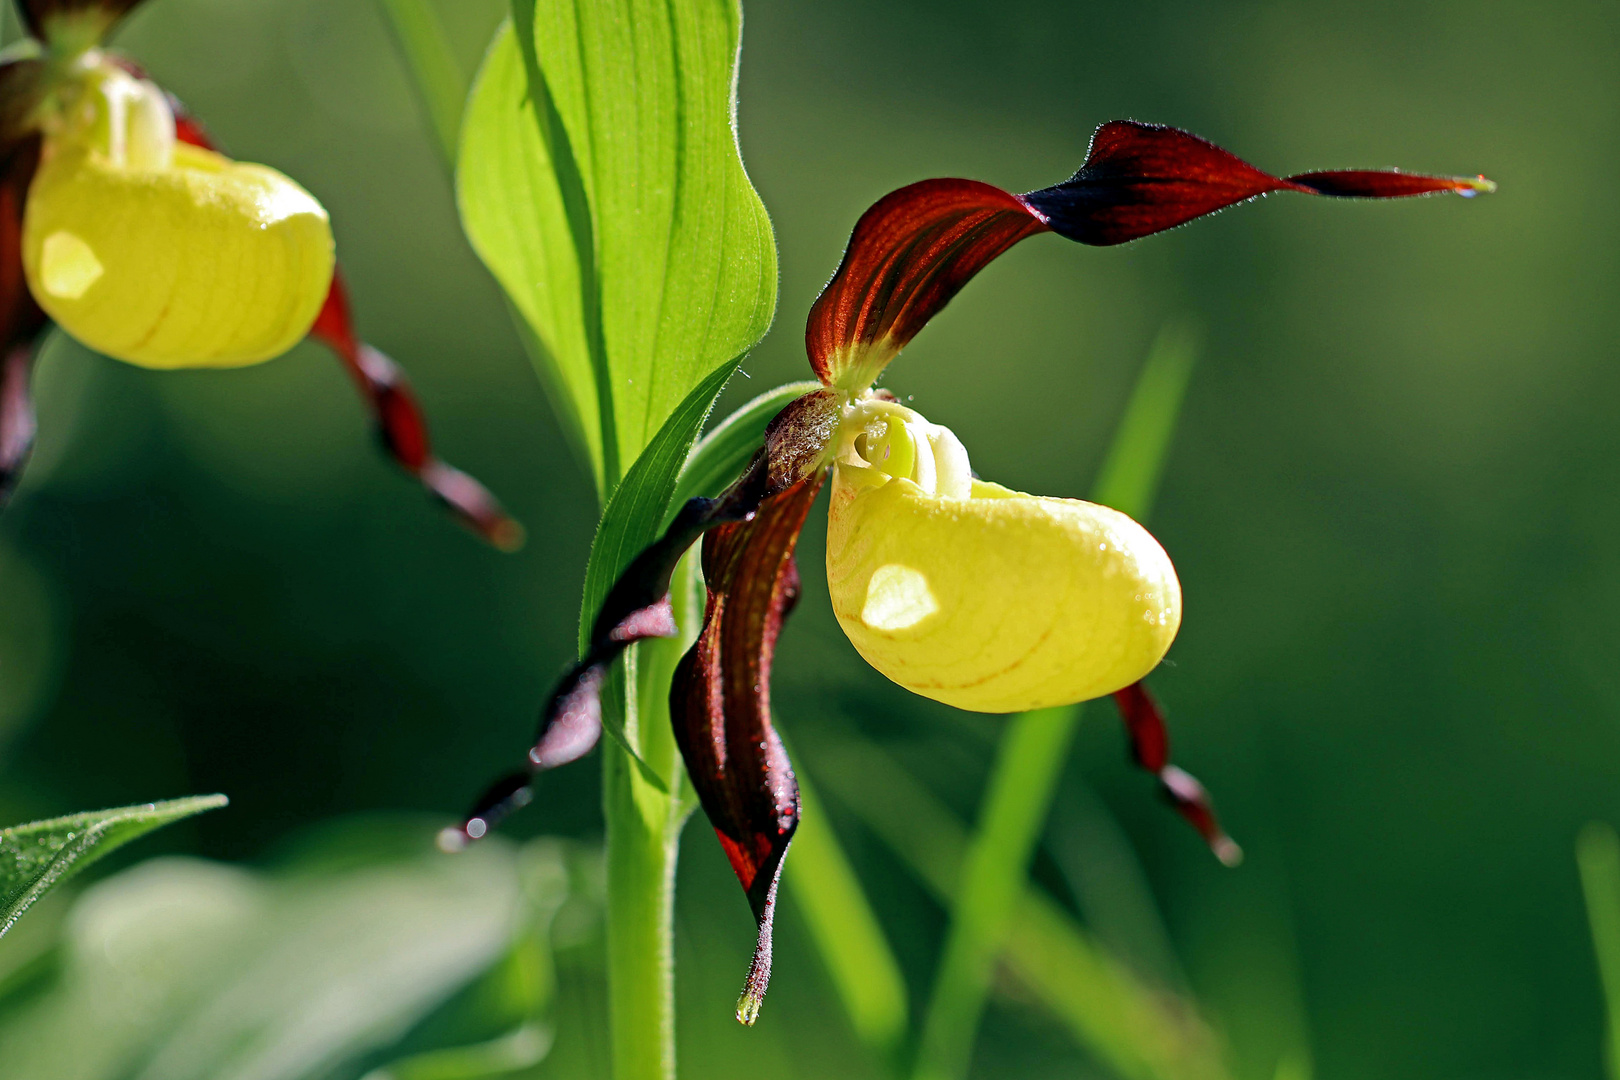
column 1030, row 756
column 37, row 857
column 845, row 931
column 1129, row 478
column 1138, row 1031
column 1033, row 749
column 1597, row 853
column 437, row 77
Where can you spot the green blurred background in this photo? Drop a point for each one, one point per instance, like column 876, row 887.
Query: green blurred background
column 1391, row 501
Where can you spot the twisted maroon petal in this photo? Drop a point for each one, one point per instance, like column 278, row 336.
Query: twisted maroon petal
column 636, row 608
column 916, row 247
column 720, row 703
column 1150, row 746
column 1140, row 179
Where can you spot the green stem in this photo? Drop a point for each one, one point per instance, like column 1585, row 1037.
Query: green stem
column 643, row 845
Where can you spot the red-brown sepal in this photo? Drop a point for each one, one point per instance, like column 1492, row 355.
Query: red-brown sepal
column 720, row 703
column 1139, row 179
column 1150, row 747
column 86, row 21
column 402, row 429
column 909, row 254
column 636, row 608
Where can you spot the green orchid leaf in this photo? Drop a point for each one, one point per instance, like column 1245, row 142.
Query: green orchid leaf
column 37, row 857
column 600, row 182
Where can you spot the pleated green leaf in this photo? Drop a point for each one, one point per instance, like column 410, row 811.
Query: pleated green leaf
column 600, row 181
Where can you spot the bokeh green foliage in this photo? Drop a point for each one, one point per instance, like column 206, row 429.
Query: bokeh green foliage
column 1390, row 501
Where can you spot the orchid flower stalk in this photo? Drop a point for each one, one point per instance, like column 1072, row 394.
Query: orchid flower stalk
column 957, row 588
column 122, row 224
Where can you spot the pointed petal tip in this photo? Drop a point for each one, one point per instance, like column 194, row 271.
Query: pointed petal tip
column 1469, row 186
column 752, row 998
column 748, row 1006
column 1227, row 851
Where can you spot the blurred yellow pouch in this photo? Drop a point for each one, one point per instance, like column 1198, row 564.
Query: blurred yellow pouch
column 204, row 262
column 1000, row 601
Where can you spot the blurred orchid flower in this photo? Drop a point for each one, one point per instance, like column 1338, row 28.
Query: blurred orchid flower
column 957, row 589
column 122, row 224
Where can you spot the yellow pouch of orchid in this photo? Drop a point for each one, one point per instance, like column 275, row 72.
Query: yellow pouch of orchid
column 166, row 255
column 989, row 599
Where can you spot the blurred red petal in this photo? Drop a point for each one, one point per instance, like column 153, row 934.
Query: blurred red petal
column 402, row 428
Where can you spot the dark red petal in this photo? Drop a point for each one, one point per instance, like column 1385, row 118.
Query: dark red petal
column 720, row 703
column 909, row 254
column 401, row 427
column 1150, row 746
column 916, row 247
column 41, row 16
column 636, row 608
column 1140, row 179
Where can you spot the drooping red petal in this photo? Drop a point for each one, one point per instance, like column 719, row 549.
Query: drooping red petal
column 720, row 703
column 916, row 247
column 402, row 429
column 1150, row 746
column 636, row 608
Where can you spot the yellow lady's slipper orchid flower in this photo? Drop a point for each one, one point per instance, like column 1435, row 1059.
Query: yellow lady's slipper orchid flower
column 120, row 221
column 164, row 254
column 978, row 596
column 957, row 589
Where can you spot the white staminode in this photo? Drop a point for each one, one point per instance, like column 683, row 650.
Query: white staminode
column 140, row 124
column 939, row 462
